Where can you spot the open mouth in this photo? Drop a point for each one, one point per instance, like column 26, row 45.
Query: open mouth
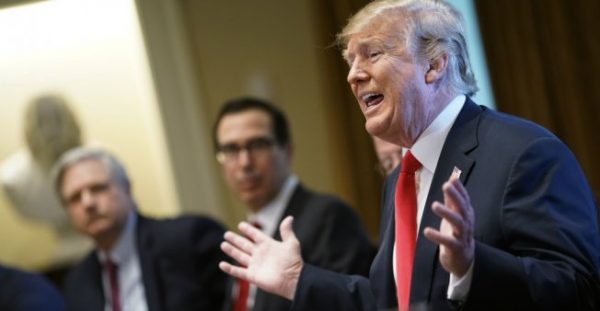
column 372, row 99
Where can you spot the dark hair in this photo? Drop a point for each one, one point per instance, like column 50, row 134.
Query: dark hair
column 279, row 124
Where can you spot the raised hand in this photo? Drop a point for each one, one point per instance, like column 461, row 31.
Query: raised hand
column 272, row 265
column 455, row 236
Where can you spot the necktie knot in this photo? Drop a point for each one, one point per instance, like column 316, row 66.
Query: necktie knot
column 410, row 164
column 110, row 266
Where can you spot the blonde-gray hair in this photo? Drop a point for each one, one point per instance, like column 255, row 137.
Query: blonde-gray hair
column 432, row 28
column 77, row 155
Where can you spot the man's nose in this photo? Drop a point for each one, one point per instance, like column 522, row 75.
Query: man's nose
column 356, row 73
column 87, row 198
column 244, row 158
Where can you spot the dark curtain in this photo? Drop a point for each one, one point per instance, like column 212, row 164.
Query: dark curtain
column 544, row 61
column 355, row 159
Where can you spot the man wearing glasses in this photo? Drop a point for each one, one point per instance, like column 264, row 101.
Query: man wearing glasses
column 253, row 145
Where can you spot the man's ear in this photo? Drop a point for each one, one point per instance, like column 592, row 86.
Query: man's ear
column 437, row 68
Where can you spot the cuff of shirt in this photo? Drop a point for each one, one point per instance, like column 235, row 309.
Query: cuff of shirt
column 458, row 289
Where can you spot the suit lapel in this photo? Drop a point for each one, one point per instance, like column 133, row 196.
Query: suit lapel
column 93, row 292
column 382, row 273
column 461, row 139
column 145, row 244
column 297, row 200
column 293, row 208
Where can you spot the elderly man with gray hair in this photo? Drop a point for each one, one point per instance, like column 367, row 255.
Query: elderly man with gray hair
column 486, row 212
column 139, row 263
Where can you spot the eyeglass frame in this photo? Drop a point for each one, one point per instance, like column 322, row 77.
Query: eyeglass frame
column 255, row 146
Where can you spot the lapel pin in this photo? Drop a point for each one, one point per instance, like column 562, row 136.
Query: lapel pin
column 456, row 173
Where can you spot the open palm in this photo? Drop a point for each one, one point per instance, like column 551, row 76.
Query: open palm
column 271, row 265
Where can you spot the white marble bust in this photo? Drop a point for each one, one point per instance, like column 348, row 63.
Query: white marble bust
column 50, row 129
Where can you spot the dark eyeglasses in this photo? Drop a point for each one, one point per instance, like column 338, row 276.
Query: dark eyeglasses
column 255, row 147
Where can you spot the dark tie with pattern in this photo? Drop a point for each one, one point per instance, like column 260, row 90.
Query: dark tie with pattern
column 113, row 281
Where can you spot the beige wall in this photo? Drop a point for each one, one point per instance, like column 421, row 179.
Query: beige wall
column 92, row 53
column 267, row 49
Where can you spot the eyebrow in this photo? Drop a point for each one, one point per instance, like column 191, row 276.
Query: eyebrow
column 268, row 137
column 346, row 55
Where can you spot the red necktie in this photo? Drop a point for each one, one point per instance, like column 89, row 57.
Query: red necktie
column 405, row 201
column 241, row 301
column 111, row 270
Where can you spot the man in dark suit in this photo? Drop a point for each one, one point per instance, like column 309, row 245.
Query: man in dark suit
column 486, row 212
column 253, row 146
column 24, row 291
column 140, row 263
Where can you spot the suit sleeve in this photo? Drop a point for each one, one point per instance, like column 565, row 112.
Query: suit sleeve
column 208, row 236
column 549, row 260
column 320, row 289
column 341, row 245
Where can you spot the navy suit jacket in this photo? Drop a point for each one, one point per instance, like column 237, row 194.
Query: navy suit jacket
column 330, row 235
column 23, row 291
column 179, row 261
column 537, row 241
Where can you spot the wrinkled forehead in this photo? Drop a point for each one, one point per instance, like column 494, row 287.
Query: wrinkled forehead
column 385, row 32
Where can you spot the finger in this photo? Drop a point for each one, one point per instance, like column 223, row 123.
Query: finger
column 464, row 194
column 239, row 242
column 453, row 198
column 461, row 189
column 439, row 238
column 458, row 199
column 235, row 271
column 252, row 232
column 286, row 230
column 237, row 255
column 455, row 219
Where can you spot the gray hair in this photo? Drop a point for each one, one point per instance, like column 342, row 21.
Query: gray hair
column 50, row 129
column 432, row 28
column 80, row 154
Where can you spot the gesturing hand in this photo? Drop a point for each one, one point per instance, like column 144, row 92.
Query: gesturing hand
column 271, row 265
column 455, row 237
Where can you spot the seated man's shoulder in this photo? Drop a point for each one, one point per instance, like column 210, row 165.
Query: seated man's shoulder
column 182, row 223
column 23, row 290
column 17, row 279
column 81, row 270
column 178, row 232
column 324, row 204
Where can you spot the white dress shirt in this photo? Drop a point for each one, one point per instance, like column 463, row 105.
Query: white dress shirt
column 124, row 254
column 427, row 150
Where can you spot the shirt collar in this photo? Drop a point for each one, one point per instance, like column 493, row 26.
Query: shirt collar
column 428, row 147
column 125, row 246
column 268, row 217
